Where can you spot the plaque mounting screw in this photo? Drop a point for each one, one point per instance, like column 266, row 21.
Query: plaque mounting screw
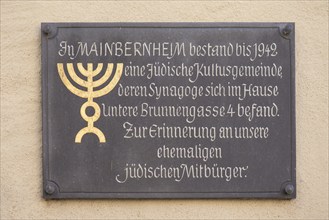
column 46, row 29
column 289, row 189
column 50, row 189
column 287, row 29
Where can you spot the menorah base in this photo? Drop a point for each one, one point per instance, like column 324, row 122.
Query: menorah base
column 92, row 130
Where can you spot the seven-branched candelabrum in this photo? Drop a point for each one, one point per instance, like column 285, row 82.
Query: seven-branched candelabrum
column 91, row 93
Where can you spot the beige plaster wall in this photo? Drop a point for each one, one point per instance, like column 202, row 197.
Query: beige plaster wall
column 21, row 108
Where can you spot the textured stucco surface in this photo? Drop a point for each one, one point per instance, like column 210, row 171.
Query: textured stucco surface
column 21, row 108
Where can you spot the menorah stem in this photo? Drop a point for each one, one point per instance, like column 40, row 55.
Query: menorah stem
column 91, row 104
column 90, row 92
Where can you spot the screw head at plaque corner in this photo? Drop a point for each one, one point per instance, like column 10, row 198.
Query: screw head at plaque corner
column 46, row 29
column 287, row 29
column 289, row 189
column 50, row 189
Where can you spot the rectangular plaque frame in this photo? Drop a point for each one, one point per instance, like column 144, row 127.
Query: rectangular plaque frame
column 53, row 189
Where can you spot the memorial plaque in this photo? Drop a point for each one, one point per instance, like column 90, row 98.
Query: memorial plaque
column 168, row 110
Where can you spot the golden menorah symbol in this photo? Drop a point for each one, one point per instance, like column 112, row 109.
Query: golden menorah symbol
column 90, row 94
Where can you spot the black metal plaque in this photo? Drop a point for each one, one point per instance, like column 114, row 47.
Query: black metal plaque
column 168, row 110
